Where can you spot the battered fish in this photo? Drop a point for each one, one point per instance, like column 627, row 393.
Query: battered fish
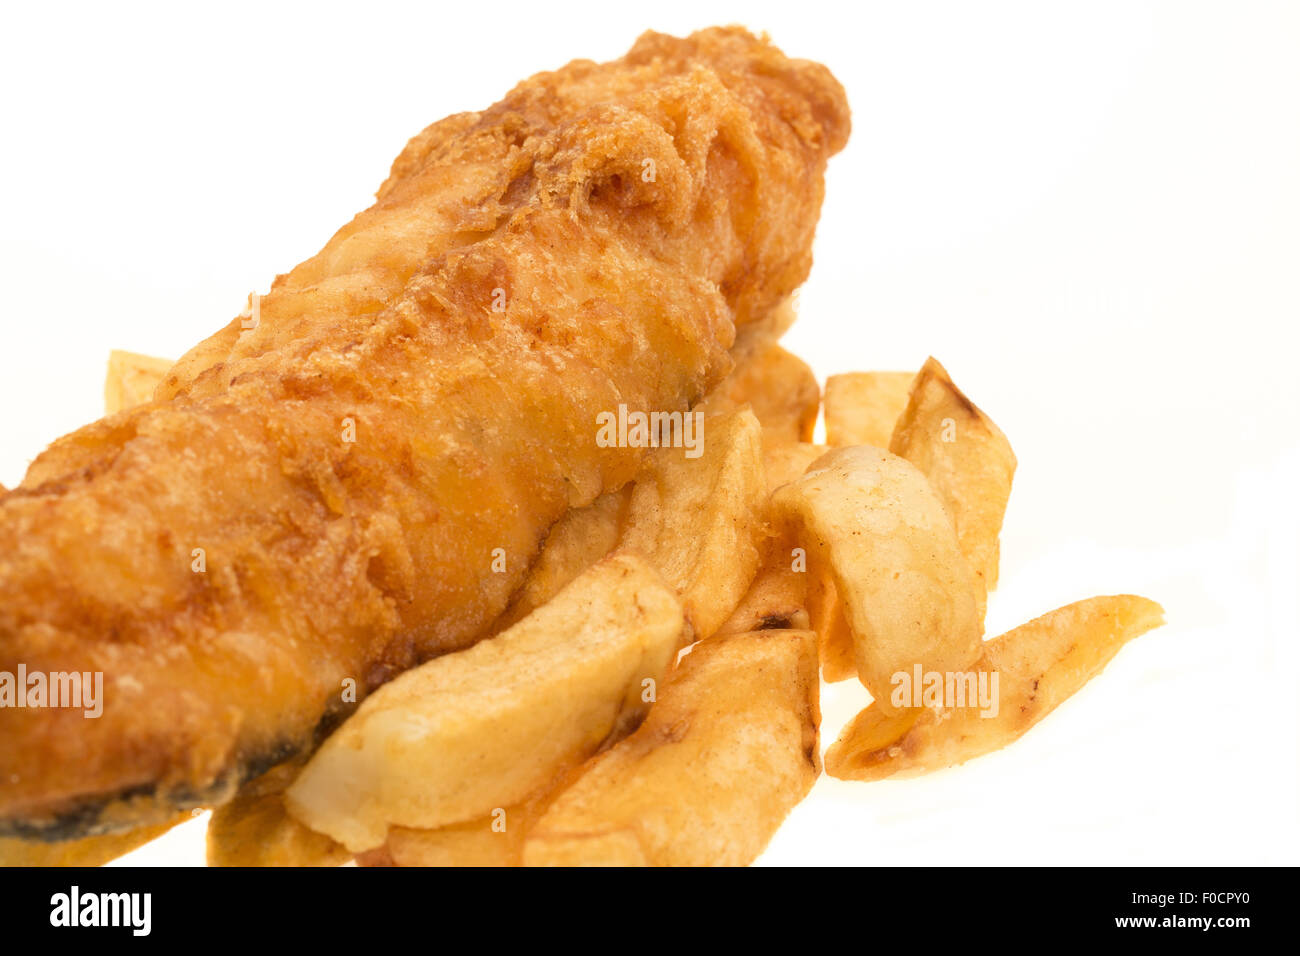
column 358, row 481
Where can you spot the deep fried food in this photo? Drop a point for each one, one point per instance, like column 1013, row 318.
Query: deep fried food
column 1038, row 664
column 255, row 829
column 966, row 458
column 131, row 379
column 319, row 499
column 726, row 753
column 775, row 599
column 487, row 727
column 908, row 594
column 87, row 851
column 780, row 387
column 863, row 407
column 700, row 522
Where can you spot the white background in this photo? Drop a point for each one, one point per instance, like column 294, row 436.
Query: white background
column 1089, row 212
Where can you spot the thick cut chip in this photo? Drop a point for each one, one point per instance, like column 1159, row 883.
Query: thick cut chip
column 254, row 829
column 863, row 407
column 473, row 843
column 786, row 461
column 493, row 840
column 909, row 595
column 88, row 851
column 818, row 598
column 576, row 542
column 1038, row 665
column 776, row 598
column 780, row 388
column 486, row 727
column 826, row 617
column 967, row 459
column 700, row 521
column 720, row 489
column 727, row 751
column 132, row 379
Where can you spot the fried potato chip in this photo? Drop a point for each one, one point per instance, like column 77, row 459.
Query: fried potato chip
column 88, row 851
column 725, row 754
column 776, row 598
column 665, row 515
column 576, row 542
column 254, row 829
column 700, row 521
column 1038, row 665
column 725, row 483
column 967, row 459
column 493, row 840
column 863, row 407
column 826, row 617
column 485, row 727
column 778, row 595
column 132, row 379
column 909, row 596
column 786, row 461
column 473, row 843
column 780, row 388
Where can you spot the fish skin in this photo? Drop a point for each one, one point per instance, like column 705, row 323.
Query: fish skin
column 329, row 560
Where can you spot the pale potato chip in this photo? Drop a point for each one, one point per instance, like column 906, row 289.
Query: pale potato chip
column 826, row 617
column 725, row 754
column 700, row 522
column 863, row 407
column 493, row 840
column 909, row 595
column 576, row 542
column 131, row 379
column 967, row 460
column 449, row 741
column 1038, row 665
column 776, row 598
column 780, row 388
column 786, row 461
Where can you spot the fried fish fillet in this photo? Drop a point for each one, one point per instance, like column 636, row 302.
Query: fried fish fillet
column 358, row 480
